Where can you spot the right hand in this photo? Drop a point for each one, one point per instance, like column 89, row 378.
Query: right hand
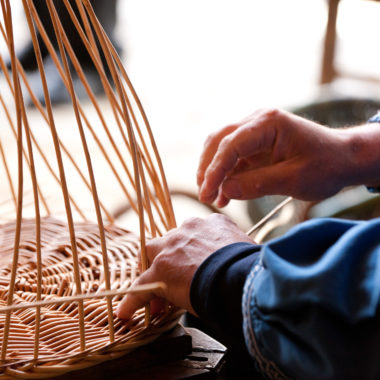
column 175, row 257
column 272, row 152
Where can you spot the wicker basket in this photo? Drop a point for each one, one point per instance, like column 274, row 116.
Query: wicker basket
column 64, row 262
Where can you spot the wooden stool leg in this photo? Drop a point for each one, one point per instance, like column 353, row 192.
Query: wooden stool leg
column 328, row 72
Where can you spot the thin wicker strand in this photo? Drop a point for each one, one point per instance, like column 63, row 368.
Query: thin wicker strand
column 7, row 14
column 94, row 102
column 114, row 104
column 9, row 178
column 37, row 224
column 136, row 289
column 135, row 157
column 14, row 130
column 43, row 340
column 59, row 33
column 65, row 192
column 166, row 192
column 66, row 151
column 262, row 221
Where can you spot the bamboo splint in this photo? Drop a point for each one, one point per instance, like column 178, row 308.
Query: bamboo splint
column 60, row 181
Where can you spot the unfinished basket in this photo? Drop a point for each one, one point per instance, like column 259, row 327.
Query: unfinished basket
column 64, row 263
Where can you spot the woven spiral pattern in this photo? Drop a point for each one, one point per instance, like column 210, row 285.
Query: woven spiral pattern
column 59, row 333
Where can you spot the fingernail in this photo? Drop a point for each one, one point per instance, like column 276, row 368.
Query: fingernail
column 122, row 312
column 232, row 189
column 203, row 196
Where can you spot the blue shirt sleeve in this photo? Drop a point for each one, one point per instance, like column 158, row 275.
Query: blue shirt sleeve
column 311, row 305
column 216, row 296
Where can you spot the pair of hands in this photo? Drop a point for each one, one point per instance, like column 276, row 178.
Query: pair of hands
column 270, row 152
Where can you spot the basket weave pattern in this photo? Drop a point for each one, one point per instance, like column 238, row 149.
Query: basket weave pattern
column 65, row 263
column 59, row 334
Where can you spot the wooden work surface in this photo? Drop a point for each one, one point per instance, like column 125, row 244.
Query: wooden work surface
column 183, row 353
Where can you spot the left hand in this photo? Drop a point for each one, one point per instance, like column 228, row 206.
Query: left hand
column 276, row 152
column 174, row 259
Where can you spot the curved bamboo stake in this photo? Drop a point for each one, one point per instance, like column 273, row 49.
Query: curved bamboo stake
column 7, row 14
column 91, row 95
column 109, row 92
column 135, row 157
column 152, row 207
column 147, row 124
column 14, row 130
column 9, row 177
column 59, row 33
column 38, row 105
column 65, row 192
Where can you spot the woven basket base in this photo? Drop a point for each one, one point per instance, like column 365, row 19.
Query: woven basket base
column 59, row 342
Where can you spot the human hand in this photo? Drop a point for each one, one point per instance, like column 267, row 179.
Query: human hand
column 272, row 152
column 174, row 259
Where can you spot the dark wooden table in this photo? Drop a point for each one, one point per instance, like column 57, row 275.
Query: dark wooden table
column 183, row 353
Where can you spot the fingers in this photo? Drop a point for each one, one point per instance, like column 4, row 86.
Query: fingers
column 222, row 200
column 132, row 302
column 250, row 139
column 274, row 179
column 210, row 148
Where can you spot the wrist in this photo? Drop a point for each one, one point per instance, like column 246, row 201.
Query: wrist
column 363, row 155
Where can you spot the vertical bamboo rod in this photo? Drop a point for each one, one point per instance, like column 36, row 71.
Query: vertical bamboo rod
column 135, row 157
column 59, row 33
column 37, row 227
column 14, row 130
column 7, row 14
column 169, row 206
column 66, row 151
column 91, row 95
column 9, row 177
column 65, row 192
column 130, row 108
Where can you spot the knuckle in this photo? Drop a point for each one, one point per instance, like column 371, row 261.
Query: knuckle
column 217, row 217
column 209, row 140
column 191, row 223
column 270, row 114
column 220, row 220
column 226, row 141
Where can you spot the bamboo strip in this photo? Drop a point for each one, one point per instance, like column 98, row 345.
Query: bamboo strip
column 60, row 32
column 262, row 221
column 7, row 15
column 136, row 159
column 166, row 192
column 43, row 198
column 108, row 89
column 42, row 340
column 38, row 227
column 9, row 178
column 92, row 98
column 137, row 289
column 65, row 192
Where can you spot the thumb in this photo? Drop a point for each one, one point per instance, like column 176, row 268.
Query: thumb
column 257, row 183
column 134, row 301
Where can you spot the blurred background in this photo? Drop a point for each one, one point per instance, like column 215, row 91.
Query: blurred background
column 199, row 65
